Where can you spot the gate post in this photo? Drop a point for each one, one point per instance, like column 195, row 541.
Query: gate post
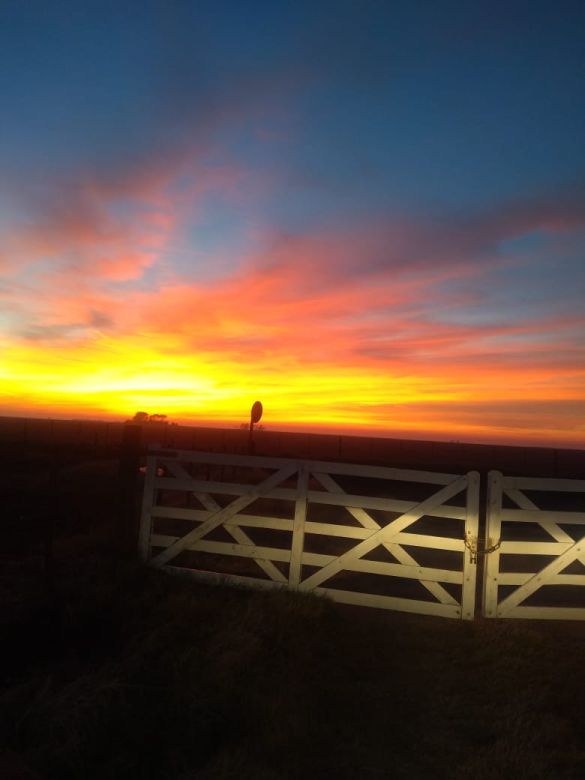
column 298, row 538
column 127, row 530
column 493, row 531
column 470, row 562
column 148, row 500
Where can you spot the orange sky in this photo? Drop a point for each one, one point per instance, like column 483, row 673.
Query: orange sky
column 312, row 325
column 355, row 357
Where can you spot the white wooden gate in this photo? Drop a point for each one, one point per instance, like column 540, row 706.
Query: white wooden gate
column 533, row 554
column 355, row 533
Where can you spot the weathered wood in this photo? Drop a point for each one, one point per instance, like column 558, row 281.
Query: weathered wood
column 368, row 534
column 240, row 536
column 236, row 533
column 222, row 488
column 426, row 540
column 311, row 527
column 298, row 539
column 493, row 532
column 394, row 549
column 385, row 534
column 348, row 501
column 414, row 572
column 534, row 548
column 471, row 532
column 219, row 517
column 564, row 550
column 390, row 602
column 148, row 500
column 348, row 469
column 546, row 484
column 214, row 578
column 542, row 577
column 551, row 527
column 521, row 578
column 543, row 517
column 380, row 602
column 547, row 613
column 128, row 515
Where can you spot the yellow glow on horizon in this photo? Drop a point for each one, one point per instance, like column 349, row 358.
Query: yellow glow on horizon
column 116, row 378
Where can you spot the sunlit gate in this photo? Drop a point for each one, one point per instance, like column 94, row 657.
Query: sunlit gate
column 374, row 536
column 535, row 545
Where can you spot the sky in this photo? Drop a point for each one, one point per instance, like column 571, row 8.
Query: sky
column 368, row 215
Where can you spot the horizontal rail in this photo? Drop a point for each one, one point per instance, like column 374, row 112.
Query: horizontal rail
column 215, row 578
column 342, row 596
column 363, row 566
column 353, row 470
column 348, row 500
column 297, row 484
column 320, row 529
column 542, row 516
column 544, row 485
column 391, row 602
column 547, row 613
column 520, row 578
column 534, row 548
column 322, row 497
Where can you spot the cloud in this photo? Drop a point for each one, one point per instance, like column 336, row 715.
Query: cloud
column 394, row 313
column 371, row 292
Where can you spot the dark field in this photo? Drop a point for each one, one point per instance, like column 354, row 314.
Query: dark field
column 112, row 671
column 128, row 673
column 32, row 434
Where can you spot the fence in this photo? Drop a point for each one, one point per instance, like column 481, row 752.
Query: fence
column 369, row 535
column 537, row 548
column 456, row 457
column 355, row 533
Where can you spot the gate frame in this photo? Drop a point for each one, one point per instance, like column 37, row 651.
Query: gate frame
column 393, row 534
column 562, row 546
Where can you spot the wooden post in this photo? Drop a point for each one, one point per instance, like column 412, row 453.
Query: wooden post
column 471, row 535
column 298, row 539
column 493, row 532
column 148, row 499
column 50, row 521
column 126, row 530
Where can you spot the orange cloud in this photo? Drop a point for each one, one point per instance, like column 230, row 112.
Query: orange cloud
column 349, row 329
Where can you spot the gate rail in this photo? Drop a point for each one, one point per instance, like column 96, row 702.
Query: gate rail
column 208, row 514
column 563, row 547
column 315, row 526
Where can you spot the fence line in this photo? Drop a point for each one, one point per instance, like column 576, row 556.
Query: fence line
column 461, row 456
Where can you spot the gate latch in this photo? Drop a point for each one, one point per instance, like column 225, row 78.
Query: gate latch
column 479, row 547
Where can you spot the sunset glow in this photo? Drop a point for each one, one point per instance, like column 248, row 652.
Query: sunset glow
column 283, row 230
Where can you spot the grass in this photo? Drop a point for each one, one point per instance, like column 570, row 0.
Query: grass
column 119, row 671
column 132, row 673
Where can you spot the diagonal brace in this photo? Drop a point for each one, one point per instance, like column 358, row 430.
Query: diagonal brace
column 540, row 578
column 219, row 517
column 364, row 518
column 385, row 534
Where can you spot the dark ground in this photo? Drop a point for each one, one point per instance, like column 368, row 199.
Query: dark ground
column 112, row 671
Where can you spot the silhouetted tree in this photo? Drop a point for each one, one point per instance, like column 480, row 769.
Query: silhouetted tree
column 144, row 417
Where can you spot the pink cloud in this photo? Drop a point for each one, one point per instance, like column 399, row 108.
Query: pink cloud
column 367, row 300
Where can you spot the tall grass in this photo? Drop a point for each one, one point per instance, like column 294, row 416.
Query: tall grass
column 132, row 673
